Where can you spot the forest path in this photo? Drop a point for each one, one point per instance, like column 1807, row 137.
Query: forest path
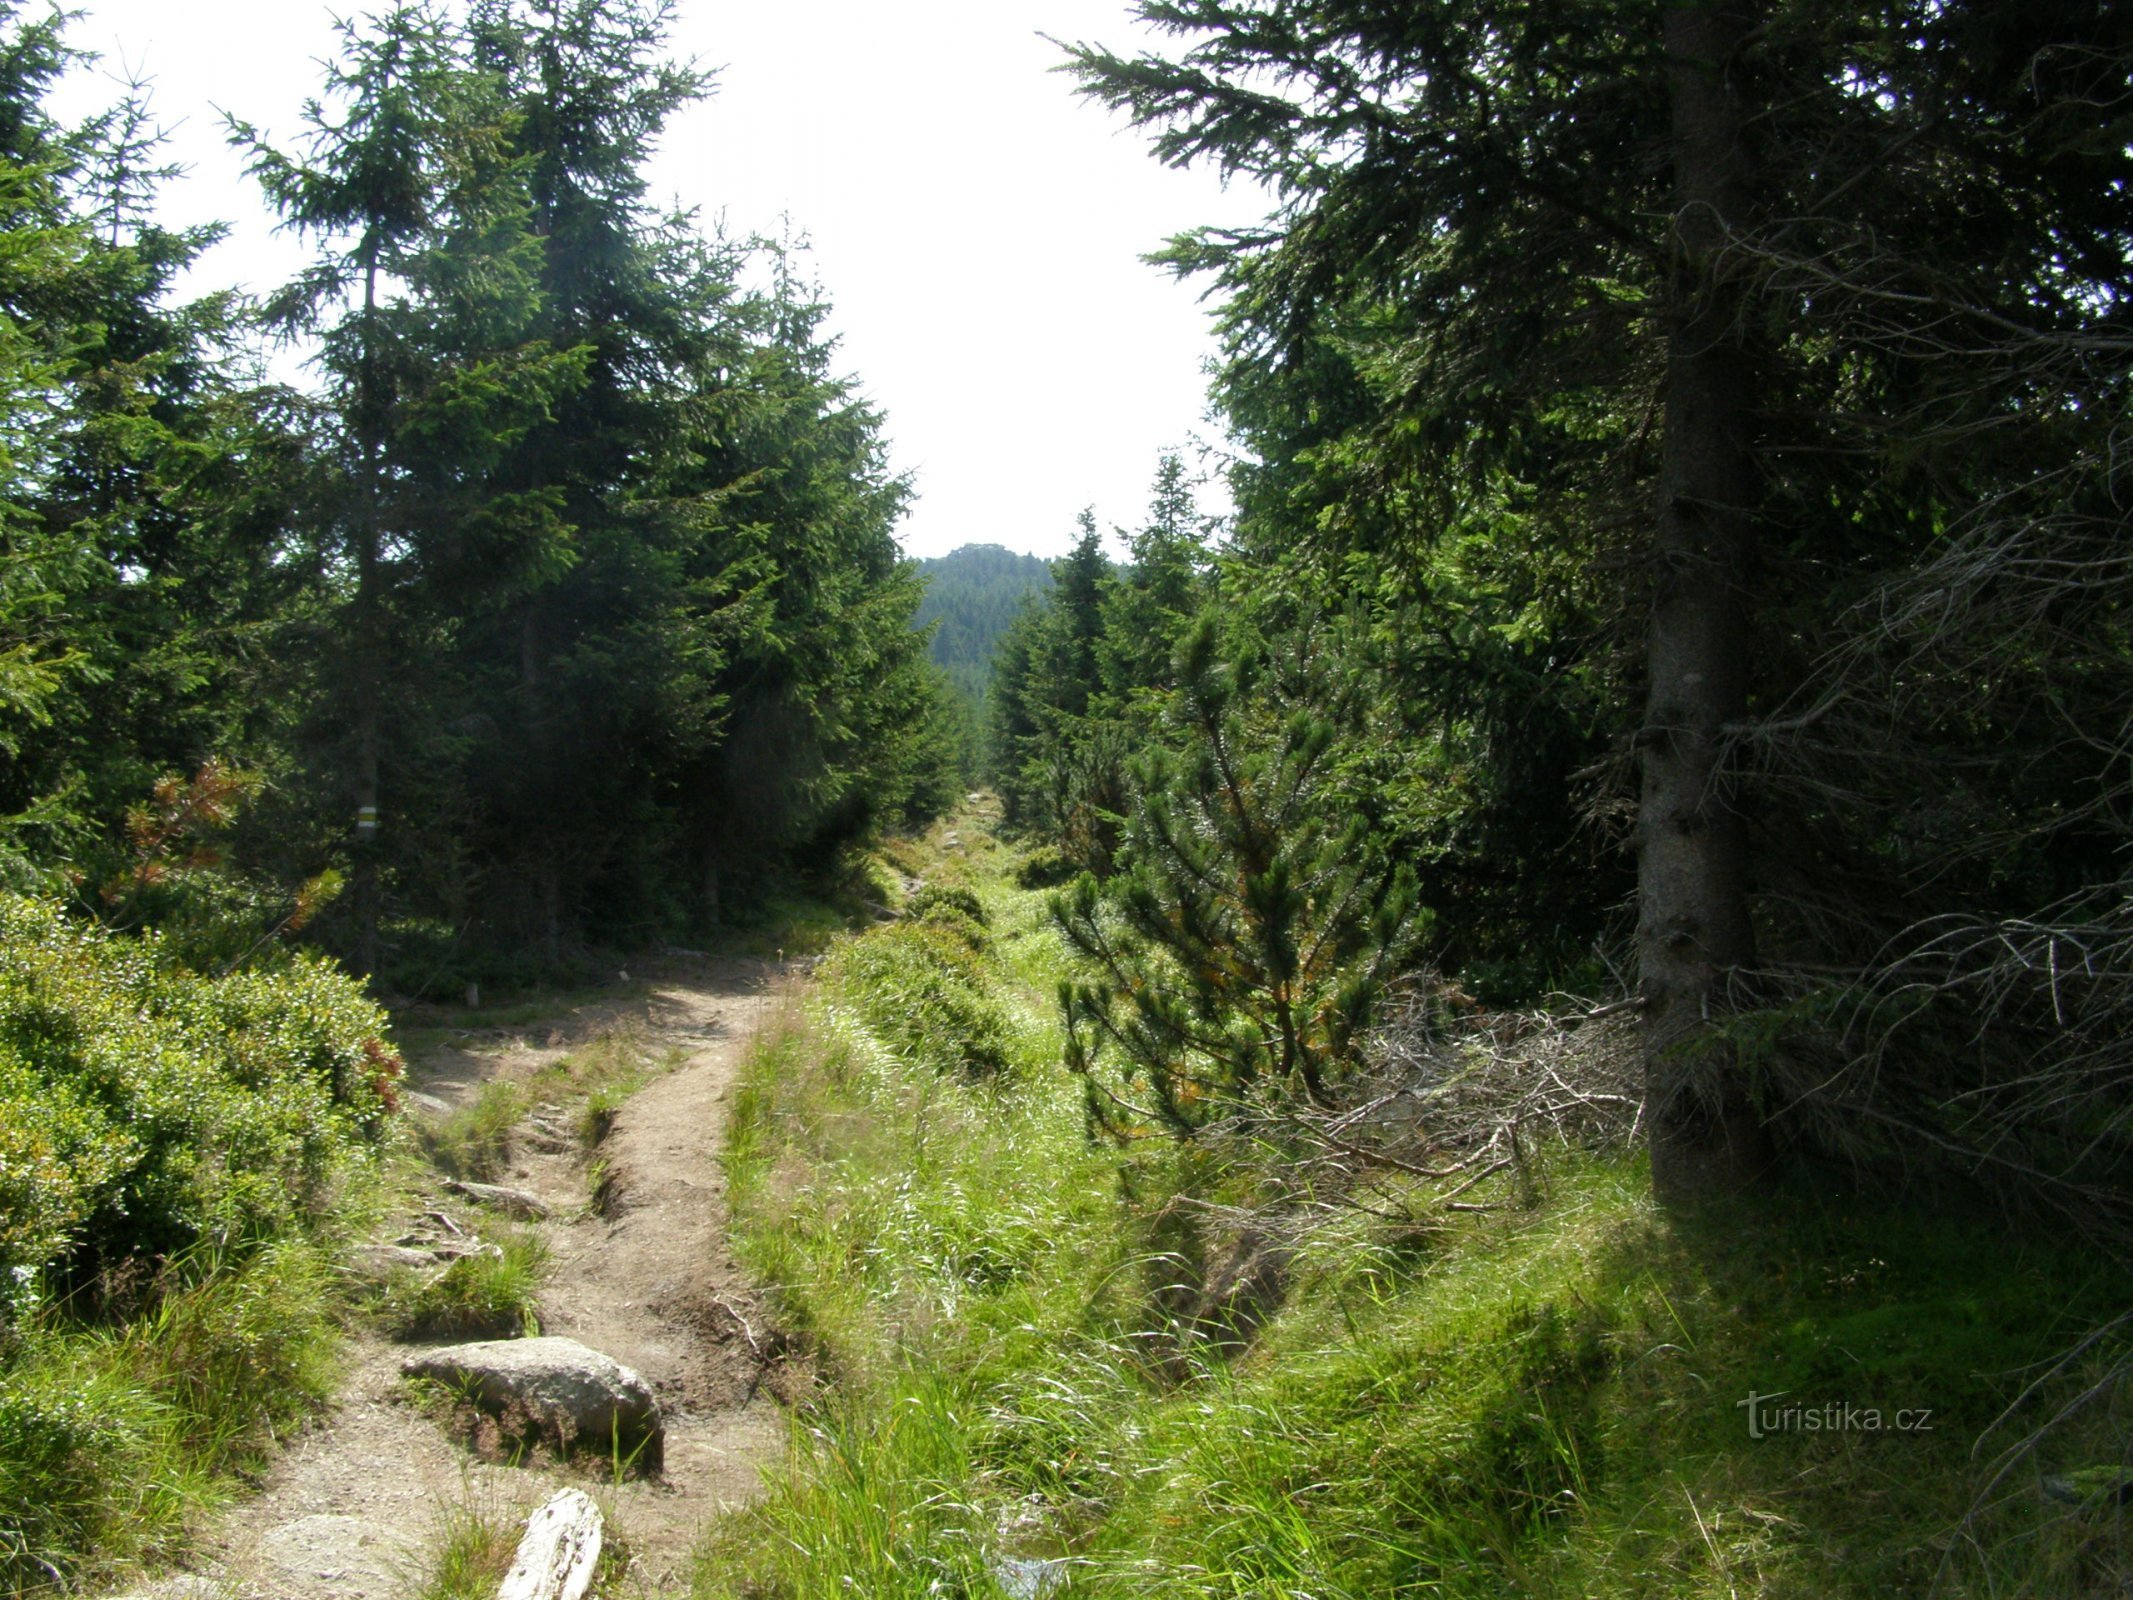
column 640, row 1271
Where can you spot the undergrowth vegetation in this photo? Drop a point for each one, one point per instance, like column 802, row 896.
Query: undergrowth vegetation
column 1046, row 1360
column 174, row 1152
column 490, row 1293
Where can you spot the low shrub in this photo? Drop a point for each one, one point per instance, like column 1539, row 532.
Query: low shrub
column 921, row 990
column 113, row 1437
column 146, row 1110
column 934, row 898
column 1028, row 1375
column 173, row 1148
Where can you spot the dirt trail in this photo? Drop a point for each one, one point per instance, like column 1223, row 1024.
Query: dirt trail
column 354, row 1504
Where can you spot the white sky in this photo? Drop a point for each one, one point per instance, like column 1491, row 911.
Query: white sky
column 976, row 225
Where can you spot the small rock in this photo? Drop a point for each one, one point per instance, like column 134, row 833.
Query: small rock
column 451, row 1250
column 559, row 1552
column 575, row 1395
column 379, row 1259
column 515, row 1202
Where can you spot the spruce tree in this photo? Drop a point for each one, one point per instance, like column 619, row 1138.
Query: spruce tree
column 369, row 176
column 1246, row 945
column 43, row 563
column 139, row 581
column 600, row 672
column 1048, row 702
column 1147, row 610
column 1754, row 300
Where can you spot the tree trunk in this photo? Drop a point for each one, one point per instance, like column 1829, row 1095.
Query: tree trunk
column 369, row 646
column 1694, row 931
column 540, row 848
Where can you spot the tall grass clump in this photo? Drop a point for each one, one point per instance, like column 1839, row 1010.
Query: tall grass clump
column 114, row 1432
column 872, row 1501
column 174, row 1148
column 493, row 1293
column 471, row 1551
column 928, row 1225
column 919, row 990
column 472, row 1543
column 474, row 1140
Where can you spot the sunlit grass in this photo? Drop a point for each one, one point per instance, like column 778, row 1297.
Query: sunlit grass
column 113, row 1439
column 475, row 1140
column 1540, row 1399
column 492, row 1293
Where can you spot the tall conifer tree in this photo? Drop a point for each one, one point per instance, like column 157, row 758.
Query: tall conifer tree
column 1744, row 267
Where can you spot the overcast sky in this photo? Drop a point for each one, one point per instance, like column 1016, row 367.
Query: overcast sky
column 977, row 226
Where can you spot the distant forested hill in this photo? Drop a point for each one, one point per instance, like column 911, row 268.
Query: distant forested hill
column 973, row 593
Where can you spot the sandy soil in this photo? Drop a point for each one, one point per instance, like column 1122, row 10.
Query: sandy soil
column 354, row 1505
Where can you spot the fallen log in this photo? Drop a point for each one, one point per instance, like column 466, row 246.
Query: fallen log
column 559, row 1552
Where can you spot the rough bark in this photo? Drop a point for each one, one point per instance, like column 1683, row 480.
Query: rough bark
column 1694, row 931
column 560, row 1552
column 369, row 645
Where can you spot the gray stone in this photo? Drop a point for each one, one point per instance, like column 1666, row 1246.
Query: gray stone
column 379, row 1259
column 574, row 1395
column 1024, row 1579
column 513, row 1202
column 450, row 1250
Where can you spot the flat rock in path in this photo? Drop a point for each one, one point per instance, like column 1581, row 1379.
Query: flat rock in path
column 573, row 1394
column 380, row 1259
column 512, row 1202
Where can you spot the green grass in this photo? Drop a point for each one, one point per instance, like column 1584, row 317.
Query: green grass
column 479, row 1296
column 474, row 1141
column 871, row 1503
column 179, row 1155
column 1544, row 1399
column 474, row 1543
column 469, row 1555
column 114, row 1437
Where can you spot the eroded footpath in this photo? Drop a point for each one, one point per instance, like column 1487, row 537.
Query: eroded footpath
column 640, row 1270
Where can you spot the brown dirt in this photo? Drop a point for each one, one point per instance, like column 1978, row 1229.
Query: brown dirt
column 355, row 1504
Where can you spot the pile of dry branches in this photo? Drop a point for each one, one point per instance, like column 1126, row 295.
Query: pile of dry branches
column 1453, row 1096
